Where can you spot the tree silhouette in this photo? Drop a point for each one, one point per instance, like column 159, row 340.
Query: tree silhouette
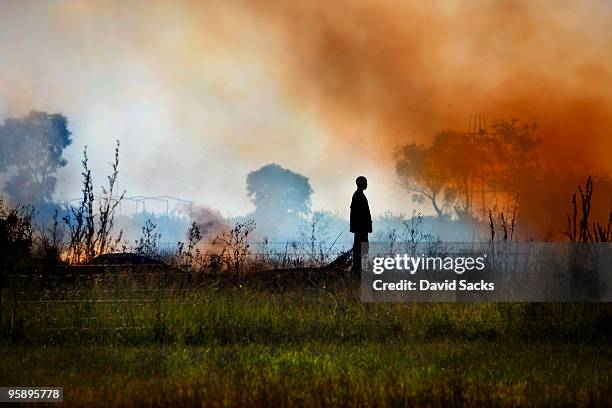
column 277, row 191
column 457, row 168
column 31, row 150
column 418, row 172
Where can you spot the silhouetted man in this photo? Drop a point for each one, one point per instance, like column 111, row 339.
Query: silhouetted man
column 361, row 221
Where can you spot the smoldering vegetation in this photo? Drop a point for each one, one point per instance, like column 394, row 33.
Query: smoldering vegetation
column 482, row 184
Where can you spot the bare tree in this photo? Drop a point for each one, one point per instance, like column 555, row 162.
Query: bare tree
column 108, row 205
column 80, row 219
column 87, row 240
column 579, row 229
column 235, row 246
column 417, row 172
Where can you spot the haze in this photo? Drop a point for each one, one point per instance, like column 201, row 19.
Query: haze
column 201, row 93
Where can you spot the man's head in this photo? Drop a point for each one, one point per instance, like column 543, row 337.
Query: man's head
column 362, row 183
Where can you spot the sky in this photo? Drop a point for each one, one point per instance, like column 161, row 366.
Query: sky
column 201, row 93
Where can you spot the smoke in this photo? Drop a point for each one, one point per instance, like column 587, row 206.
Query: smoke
column 409, row 69
column 210, row 222
column 220, row 88
column 385, row 73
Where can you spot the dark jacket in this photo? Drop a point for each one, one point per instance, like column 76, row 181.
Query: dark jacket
column 361, row 220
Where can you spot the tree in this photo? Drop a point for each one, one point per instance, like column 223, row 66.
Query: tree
column 456, row 167
column 465, row 161
column 418, row 172
column 16, row 232
column 31, row 149
column 277, row 191
column 517, row 148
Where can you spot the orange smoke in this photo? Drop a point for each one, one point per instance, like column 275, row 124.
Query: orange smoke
column 387, row 73
column 373, row 74
column 390, row 72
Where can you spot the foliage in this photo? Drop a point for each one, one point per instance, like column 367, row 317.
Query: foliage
column 16, row 234
column 235, row 246
column 314, row 239
column 50, row 241
column 147, row 243
column 416, row 168
column 190, row 257
column 31, row 150
column 89, row 238
column 457, row 166
column 277, row 191
column 107, row 208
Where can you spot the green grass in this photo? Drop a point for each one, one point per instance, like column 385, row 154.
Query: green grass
column 318, row 373
column 307, row 346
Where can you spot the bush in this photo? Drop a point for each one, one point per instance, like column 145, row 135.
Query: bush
column 16, row 232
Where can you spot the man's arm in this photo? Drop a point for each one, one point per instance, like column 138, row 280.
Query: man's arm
column 352, row 220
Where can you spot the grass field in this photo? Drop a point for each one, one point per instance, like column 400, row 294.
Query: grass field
column 304, row 345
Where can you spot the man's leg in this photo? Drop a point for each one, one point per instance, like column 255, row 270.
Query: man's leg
column 365, row 246
column 360, row 242
column 356, row 252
